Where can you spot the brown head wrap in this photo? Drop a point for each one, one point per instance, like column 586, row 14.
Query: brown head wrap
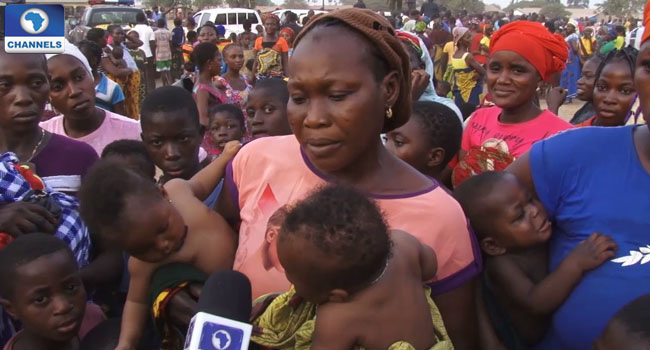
column 381, row 35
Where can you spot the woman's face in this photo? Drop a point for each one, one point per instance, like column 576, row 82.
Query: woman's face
column 511, row 79
column 271, row 26
column 234, row 57
column 118, row 35
column 216, row 63
column 72, row 89
column 614, row 93
column 337, row 107
column 287, row 37
column 208, row 35
column 570, row 29
column 586, row 81
column 642, row 79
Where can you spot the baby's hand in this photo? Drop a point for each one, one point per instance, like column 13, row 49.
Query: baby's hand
column 230, row 149
column 593, row 251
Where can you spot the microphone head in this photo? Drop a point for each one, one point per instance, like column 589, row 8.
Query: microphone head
column 227, row 294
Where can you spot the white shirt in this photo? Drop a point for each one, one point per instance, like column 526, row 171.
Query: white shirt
column 146, row 35
column 637, row 33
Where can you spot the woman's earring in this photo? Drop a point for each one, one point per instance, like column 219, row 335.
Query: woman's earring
column 389, row 112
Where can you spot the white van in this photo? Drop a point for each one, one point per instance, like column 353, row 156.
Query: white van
column 231, row 18
column 300, row 12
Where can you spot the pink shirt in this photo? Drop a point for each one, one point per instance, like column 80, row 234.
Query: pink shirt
column 115, row 127
column 485, row 130
column 271, row 172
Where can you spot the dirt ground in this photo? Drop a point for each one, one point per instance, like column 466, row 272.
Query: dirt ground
column 568, row 109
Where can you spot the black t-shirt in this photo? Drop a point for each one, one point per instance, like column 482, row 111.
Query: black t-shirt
column 430, row 9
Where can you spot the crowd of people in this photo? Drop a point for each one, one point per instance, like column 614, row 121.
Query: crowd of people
column 412, row 193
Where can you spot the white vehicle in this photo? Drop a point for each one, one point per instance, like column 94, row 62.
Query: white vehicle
column 231, row 18
column 302, row 13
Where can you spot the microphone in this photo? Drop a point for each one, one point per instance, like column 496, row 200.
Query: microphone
column 224, row 311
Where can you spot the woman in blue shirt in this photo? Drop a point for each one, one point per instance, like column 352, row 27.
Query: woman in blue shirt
column 596, row 180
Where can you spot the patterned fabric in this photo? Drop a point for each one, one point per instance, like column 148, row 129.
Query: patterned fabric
column 71, row 230
column 571, row 73
column 163, row 49
column 236, row 97
column 287, row 323
column 107, row 93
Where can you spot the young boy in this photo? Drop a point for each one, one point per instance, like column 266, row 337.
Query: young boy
column 267, row 109
column 177, row 227
column 41, row 286
column 514, row 229
column 226, row 124
column 134, row 156
column 429, row 140
column 188, row 47
column 163, row 39
column 629, row 329
column 349, row 265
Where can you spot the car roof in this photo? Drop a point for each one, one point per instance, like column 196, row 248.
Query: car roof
column 112, row 7
column 226, row 10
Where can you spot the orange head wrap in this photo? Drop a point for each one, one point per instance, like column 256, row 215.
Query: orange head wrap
column 646, row 22
column 545, row 51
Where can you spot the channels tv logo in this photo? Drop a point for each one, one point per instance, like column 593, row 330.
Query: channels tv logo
column 210, row 332
column 34, row 28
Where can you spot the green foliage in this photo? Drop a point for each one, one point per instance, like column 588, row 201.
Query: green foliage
column 528, row 3
column 621, row 8
column 555, row 10
column 471, row 6
column 578, row 4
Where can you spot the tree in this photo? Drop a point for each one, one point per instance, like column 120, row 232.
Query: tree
column 168, row 5
column 471, row 6
column 555, row 10
column 621, row 8
column 295, row 4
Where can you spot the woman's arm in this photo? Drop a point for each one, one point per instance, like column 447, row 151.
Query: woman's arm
column 202, row 101
column 458, row 310
column 110, row 68
column 471, row 61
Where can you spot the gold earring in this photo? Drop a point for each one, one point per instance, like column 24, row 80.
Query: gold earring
column 389, row 112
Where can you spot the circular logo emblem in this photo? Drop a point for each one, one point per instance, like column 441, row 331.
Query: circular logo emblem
column 221, row 340
column 34, row 21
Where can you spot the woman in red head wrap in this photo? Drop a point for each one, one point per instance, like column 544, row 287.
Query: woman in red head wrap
column 596, row 180
column 522, row 55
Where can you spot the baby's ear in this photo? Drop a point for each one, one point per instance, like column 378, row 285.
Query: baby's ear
column 491, row 247
column 338, row 296
column 8, row 306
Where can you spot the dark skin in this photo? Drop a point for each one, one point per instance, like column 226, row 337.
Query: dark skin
column 614, row 94
column 336, row 111
column 50, row 300
column 94, row 64
column 556, row 96
column 271, row 27
column 223, row 128
column 209, row 70
column 72, row 92
column 106, row 62
column 463, row 46
column 173, row 142
column 24, row 90
column 516, row 229
column 512, row 82
column 618, row 336
column 267, row 114
column 234, row 57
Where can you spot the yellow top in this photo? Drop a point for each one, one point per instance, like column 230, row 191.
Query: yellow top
column 449, row 49
column 485, row 41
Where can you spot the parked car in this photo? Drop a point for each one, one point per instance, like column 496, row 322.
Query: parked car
column 102, row 16
column 231, row 18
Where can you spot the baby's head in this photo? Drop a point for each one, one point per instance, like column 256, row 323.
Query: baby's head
column 118, row 53
column 267, row 108
column 429, row 140
column 333, row 244
column 40, row 285
column 505, row 215
column 270, row 248
column 133, row 154
column 629, row 329
column 171, row 131
column 226, row 124
column 112, row 199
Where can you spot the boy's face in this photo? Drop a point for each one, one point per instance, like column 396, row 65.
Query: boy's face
column 173, row 142
column 410, row 144
column 519, row 221
column 245, row 40
column 155, row 234
column 224, row 128
column 49, row 297
column 72, row 89
column 24, row 90
column 267, row 115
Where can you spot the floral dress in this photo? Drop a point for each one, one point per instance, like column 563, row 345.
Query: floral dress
column 237, row 97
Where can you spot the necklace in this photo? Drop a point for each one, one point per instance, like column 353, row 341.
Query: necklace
column 38, row 144
column 383, row 272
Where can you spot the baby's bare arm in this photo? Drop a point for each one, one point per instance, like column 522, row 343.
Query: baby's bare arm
column 136, row 307
column 426, row 256
column 204, row 182
column 331, row 332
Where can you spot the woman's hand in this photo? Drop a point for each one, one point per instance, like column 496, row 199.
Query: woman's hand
column 419, row 82
column 20, row 218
